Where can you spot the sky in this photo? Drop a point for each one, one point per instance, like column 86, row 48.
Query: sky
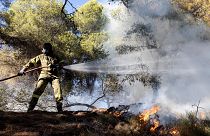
column 78, row 3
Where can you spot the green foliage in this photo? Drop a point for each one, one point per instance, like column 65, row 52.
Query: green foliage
column 37, row 20
column 118, row 14
column 34, row 22
column 192, row 126
column 89, row 17
column 90, row 20
column 200, row 9
column 92, row 44
column 41, row 21
column 68, row 45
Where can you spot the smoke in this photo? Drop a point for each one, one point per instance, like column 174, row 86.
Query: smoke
column 154, row 36
column 180, row 56
column 172, row 45
column 151, row 7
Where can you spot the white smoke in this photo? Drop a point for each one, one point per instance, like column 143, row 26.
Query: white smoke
column 182, row 58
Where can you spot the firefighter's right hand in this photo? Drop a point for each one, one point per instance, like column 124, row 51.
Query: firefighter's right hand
column 22, row 72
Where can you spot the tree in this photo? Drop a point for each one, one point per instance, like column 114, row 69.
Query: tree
column 90, row 21
column 92, row 44
column 31, row 23
column 37, row 20
column 200, row 9
column 142, row 34
column 90, row 18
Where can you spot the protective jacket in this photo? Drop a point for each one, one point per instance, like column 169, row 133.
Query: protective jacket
column 48, row 63
column 49, row 74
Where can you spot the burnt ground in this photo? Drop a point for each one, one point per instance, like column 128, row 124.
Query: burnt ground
column 98, row 122
column 67, row 123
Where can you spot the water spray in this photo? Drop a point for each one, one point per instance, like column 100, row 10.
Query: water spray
column 167, row 66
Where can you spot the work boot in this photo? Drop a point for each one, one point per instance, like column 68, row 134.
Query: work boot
column 32, row 104
column 59, row 106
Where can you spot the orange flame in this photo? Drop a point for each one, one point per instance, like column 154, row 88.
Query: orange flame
column 174, row 132
column 117, row 113
column 145, row 115
column 202, row 115
column 156, row 124
column 102, row 110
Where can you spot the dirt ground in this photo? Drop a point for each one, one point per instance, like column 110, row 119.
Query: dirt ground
column 67, row 123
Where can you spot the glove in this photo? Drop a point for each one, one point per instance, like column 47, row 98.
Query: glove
column 22, row 72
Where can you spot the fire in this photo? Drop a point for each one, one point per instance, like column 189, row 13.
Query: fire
column 202, row 115
column 156, row 123
column 101, row 110
column 117, row 113
column 174, row 132
column 146, row 114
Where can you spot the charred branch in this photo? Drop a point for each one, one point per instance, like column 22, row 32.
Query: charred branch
column 98, row 99
column 197, row 108
column 79, row 104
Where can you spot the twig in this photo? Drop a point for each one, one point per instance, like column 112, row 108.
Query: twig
column 98, row 99
column 102, row 87
column 72, row 5
column 79, row 104
column 63, row 7
column 197, row 108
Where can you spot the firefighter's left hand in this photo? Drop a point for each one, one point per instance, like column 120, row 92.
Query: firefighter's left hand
column 22, row 72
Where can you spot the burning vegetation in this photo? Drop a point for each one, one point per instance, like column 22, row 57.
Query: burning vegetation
column 104, row 122
column 139, row 36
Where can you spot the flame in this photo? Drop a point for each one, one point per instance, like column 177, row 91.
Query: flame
column 174, row 132
column 156, row 123
column 202, row 115
column 146, row 113
column 102, row 110
column 117, row 113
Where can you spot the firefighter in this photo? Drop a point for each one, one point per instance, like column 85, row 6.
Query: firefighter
column 49, row 74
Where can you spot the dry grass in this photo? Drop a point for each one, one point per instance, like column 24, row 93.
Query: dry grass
column 95, row 124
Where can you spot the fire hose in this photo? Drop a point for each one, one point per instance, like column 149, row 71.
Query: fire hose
column 21, row 74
